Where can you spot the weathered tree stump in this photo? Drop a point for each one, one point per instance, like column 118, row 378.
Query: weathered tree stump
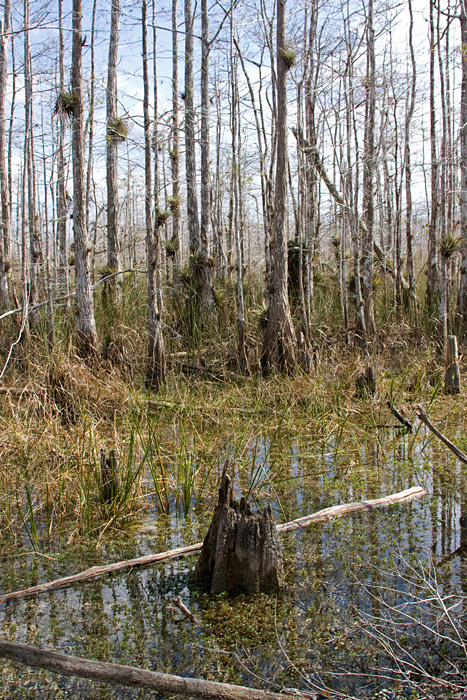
column 452, row 380
column 241, row 551
column 109, row 476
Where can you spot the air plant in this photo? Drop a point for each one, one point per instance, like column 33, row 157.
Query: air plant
column 117, row 129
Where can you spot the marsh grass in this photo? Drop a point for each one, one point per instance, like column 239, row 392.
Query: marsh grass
column 171, row 447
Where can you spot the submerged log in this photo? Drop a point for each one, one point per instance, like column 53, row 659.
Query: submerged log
column 407, row 424
column 424, row 418
column 241, row 551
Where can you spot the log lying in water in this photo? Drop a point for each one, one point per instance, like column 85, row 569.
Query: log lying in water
column 163, row 683
column 335, row 511
column 321, row 515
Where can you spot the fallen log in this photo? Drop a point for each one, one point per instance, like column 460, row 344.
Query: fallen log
column 424, row 418
column 165, row 684
column 320, row 516
column 335, row 511
column 98, row 571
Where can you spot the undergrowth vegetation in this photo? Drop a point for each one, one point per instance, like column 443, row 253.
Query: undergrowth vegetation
column 58, row 413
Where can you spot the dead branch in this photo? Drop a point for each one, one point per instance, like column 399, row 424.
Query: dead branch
column 183, row 609
column 424, row 418
column 165, row 684
column 320, row 516
column 399, row 416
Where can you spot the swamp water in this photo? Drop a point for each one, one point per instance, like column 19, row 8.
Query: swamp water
column 348, row 581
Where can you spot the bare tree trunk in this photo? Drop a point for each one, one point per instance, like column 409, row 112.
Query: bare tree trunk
column 175, row 154
column 4, row 185
column 205, row 265
column 115, row 133
column 34, row 242
column 23, row 228
column 62, row 208
column 7, row 239
column 432, row 267
column 235, row 200
column 462, row 302
column 279, row 343
column 156, row 353
column 408, row 174
column 90, row 122
column 262, row 151
column 350, row 200
column 368, row 179
column 191, row 194
column 85, row 322
column 50, row 319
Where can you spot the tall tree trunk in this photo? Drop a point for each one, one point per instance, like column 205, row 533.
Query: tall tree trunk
column 279, row 343
column 34, row 245
column 205, row 265
column 62, row 208
column 7, row 240
column 191, row 193
column 85, row 321
column 50, row 319
column 156, row 354
column 4, row 184
column 175, row 154
column 90, row 122
column 432, row 266
column 368, row 178
column 236, row 218
column 408, row 173
column 115, row 133
column 462, row 303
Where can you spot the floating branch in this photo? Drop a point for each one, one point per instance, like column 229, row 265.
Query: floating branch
column 322, row 515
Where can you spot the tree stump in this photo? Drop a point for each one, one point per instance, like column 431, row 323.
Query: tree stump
column 241, row 552
column 452, row 380
column 109, row 476
column 365, row 385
